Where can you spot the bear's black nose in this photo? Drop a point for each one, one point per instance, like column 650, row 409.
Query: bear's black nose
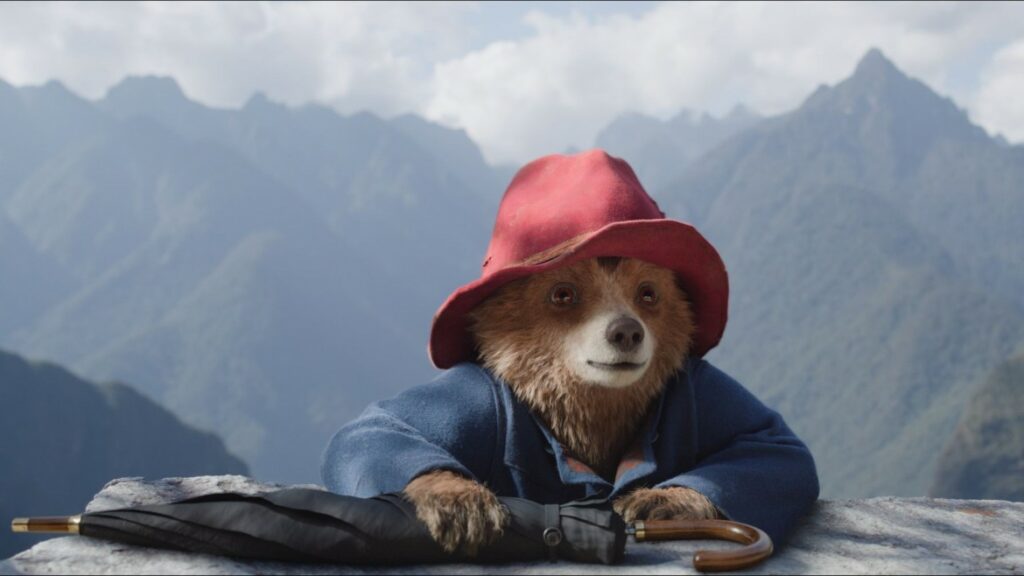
column 624, row 333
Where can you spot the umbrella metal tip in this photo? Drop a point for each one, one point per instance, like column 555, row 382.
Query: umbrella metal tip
column 47, row 524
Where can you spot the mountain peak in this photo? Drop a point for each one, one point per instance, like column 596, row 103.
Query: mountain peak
column 260, row 101
column 881, row 103
column 875, row 66
column 53, row 94
column 56, row 86
column 53, row 89
column 874, row 57
column 160, row 88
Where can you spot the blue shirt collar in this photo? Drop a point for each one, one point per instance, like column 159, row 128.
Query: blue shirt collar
column 528, row 439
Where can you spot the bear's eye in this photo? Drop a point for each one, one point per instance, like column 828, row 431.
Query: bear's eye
column 646, row 294
column 564, row 294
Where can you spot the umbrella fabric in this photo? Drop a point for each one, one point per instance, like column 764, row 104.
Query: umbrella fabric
column 315, row 526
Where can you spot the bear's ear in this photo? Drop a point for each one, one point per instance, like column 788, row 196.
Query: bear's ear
column 681, row 286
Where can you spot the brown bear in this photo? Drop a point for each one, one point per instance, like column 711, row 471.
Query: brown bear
column 575, row 370
column 587, row 347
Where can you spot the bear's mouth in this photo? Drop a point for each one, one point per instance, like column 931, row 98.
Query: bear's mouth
column 617, row 366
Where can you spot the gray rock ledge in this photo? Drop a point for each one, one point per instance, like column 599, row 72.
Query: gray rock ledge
column 873, row 536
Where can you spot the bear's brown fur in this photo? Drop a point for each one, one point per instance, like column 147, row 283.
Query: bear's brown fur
column 519, row 338
column 520, row 334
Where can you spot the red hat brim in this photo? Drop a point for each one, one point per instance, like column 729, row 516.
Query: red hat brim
column 667, row 243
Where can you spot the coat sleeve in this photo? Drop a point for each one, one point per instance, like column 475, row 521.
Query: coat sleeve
column 448, row 424
column 750, row 465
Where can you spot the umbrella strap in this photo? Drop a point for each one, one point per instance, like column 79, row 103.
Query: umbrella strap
column 552, row 529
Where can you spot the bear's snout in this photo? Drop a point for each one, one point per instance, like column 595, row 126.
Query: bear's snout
column 625, row 334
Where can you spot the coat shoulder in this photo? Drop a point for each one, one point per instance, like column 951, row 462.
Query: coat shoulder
column 465, row 392
column 713, row 389
column 705, row 376
column 469, row 381
column 700, row 370
column 448, row 423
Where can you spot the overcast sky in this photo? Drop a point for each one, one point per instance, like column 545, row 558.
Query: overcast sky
column 523, row 79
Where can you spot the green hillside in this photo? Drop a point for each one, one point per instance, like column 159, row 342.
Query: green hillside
column 985, row 456
column 65, row 437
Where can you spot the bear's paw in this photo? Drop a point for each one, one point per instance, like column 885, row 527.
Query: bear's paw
column 460, row 513
column 672, row 503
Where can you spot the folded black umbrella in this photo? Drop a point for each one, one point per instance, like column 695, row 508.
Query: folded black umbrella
column 306, row 525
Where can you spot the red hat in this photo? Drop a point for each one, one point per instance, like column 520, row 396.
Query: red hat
column 590, row 204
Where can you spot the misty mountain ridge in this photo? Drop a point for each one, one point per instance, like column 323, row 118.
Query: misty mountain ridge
column 271, row 270
column 856, row 308
column 161, row 98
column 103, row 431
column 659, row 150
column 208, row 248
column 954, row 183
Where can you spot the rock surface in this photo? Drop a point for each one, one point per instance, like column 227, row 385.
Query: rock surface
column 878, row 535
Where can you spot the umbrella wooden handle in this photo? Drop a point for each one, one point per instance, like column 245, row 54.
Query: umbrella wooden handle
column 758, row 545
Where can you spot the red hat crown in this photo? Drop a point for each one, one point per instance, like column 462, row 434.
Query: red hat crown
column 557, row 198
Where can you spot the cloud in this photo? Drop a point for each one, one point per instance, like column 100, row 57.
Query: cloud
column 522, row 79
column 573, row 75
column 354, row 55
column 998, row 106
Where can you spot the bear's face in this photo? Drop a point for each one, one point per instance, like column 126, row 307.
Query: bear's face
column 587, row 347
column 608, row 322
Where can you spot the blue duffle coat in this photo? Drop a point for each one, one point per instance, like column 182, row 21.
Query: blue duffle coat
column 706, row 432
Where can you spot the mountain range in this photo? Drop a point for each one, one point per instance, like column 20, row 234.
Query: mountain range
column 659, row 151
column 257, row 270
column 265, row 272
column 874, row 264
